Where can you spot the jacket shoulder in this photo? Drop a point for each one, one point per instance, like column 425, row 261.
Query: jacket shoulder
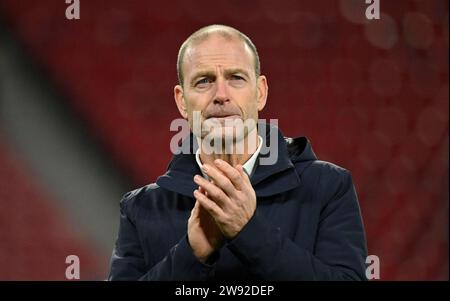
column 134, row 199
column 329, row 169
column 326, row 178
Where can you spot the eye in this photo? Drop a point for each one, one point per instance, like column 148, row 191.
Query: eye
column 203, row 82
column 236, row 77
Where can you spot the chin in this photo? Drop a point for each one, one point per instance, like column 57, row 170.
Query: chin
column 219, row 133
column 223, row 136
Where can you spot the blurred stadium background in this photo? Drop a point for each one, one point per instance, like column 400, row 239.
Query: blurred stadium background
column 85, row 109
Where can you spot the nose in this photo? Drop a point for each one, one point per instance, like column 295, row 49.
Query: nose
column 221, row 92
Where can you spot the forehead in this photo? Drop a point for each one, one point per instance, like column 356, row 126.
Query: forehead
column 217, row 51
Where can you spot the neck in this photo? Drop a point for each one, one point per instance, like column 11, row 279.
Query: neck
column 247, row 147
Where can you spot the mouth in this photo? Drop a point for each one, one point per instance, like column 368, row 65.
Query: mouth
column 223, row 117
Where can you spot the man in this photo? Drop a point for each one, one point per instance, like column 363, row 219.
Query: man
column 224, row 215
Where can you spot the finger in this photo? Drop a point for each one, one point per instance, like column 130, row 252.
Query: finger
column 209, row 205
column 246, row 183
column 202, row 190
column 211, row 190
column 243, row 173
column 220, row 179
column 230, row 172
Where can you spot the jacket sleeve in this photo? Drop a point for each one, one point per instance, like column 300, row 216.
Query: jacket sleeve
column 128, row 260
column 340, row 249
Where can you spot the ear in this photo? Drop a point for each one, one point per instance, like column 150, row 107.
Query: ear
column 179, row 99
column 263, row 90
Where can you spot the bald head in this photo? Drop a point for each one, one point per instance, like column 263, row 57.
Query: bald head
column 223, row 31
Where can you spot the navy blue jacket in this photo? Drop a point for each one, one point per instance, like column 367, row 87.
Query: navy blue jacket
column 307, row 225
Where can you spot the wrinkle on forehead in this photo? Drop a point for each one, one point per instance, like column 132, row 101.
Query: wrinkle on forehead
column 218, row 51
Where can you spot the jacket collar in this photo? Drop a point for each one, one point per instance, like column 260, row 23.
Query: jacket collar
column 267, row 180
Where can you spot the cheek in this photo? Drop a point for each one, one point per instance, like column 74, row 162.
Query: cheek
column 195, row 103
column 250, row 105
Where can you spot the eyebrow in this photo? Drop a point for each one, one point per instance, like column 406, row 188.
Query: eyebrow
column 236, row 70
column 212, row 74
column 202, row 73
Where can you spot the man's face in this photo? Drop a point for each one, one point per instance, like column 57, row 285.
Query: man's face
column 220, row 83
